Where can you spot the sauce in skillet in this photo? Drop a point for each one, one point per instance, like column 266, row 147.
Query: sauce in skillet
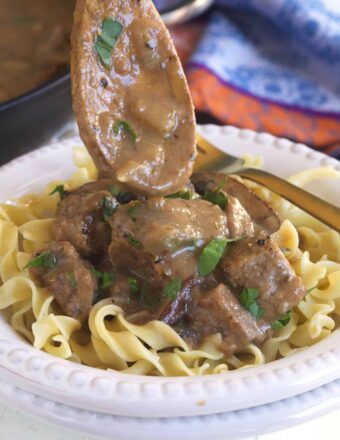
column 34, row 43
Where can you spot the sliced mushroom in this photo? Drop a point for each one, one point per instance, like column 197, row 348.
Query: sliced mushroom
column 130, row 96
column 260, row 212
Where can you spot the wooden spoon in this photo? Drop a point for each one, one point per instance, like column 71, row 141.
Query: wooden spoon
column 130, row 96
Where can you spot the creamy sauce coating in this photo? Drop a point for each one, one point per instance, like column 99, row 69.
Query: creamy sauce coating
column 144, row 86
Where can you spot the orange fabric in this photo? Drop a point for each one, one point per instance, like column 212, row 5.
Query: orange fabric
column 234, row 107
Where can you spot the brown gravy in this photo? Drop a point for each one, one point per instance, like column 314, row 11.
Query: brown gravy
column 34, row 43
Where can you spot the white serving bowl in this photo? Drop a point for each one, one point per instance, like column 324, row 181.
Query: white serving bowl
column 140, row 396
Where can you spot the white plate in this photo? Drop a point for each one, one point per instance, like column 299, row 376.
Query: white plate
column 227, row 426
column 119, row 394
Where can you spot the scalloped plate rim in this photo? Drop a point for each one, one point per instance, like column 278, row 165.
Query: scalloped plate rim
column 116, row 393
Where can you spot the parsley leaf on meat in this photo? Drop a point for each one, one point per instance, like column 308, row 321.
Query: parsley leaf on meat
column 216, row 197
column 133, row 286
column 72, row 280
column 133, row 210
column 212, row 253
column 186, row 195
column 108, row 209
column 133, row 241
column 282, row 321
column 248, row 301
column 106, row 278
column 172, row 289
column 46, row 259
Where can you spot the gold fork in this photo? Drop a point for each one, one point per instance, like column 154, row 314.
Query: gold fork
column 210, row 158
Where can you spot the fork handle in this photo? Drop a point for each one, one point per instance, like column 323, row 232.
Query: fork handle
column 318, row 208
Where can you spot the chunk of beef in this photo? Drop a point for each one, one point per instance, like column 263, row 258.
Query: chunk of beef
column 80, row 218
column 260, row 212
column 258, row 262
column 218, row 311
column 239, row 221
column 123, row 296
column 69, row 280
column 164, row 236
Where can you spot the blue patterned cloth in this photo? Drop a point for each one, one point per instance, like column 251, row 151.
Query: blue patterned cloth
column 286, row 51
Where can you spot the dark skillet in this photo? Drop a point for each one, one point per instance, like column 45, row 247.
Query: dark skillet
column 31, row 119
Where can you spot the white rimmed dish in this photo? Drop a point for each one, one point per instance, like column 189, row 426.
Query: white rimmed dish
column 118, row 394
column 233, row 425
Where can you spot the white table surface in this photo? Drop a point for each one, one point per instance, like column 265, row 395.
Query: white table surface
column 19, row 426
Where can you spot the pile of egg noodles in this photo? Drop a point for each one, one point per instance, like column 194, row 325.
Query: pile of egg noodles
column 312, row 249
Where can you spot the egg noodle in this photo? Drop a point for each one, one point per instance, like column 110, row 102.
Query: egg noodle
column 312, row 249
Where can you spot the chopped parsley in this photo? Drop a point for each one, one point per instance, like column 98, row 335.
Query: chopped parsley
column 108, row 208
column 216, row 197
column 212, row 253
column 106, row 278
column 59, row 189
column 133, row 241
column 71, row 279
column 186, row 195
column 248, row 301
column 133, row 286
column 107, row 39
column 124, row 125
column 133, row 210
column 172, row 289
column 46, row 259
column 221, row 184
column 114, row 190
column 282, row 321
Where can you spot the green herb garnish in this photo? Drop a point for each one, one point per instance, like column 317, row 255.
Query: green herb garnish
column 133, row 210
column 72, row 280
column 46, row 259
column 133, row 241
column 282, row 321
column 124, row 125
column 106, row 41
column 106, row 278
column 248, row 301
column 211, row 255
column 59, row 189
column 216, row 197
column 221, row 184
column 108, row 208
column 172, row 289
column 114, row 190
column 186, row 195
column 133, row 286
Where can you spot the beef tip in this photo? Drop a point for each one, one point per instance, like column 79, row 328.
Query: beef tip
column 239, row 221
column 258, row 262
column 133, row 108
column 164, row 235
column 81, row 218
column 218, row 311
column 260, row 212
column 69, row 279
column 123, row 296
